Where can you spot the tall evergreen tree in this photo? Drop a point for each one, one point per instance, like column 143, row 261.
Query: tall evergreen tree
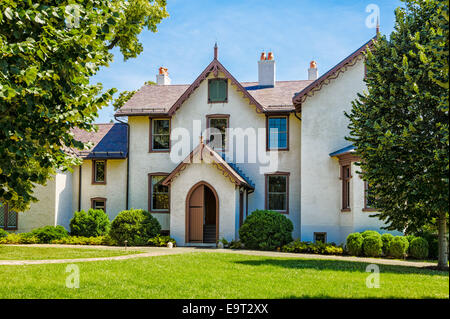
column 400, row 125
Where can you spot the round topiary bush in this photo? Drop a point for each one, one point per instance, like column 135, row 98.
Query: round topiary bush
column 48, row 233
column 136, row 226
column 398, row 247
column 354, row 244
column 266, row 230
column 419, row 248
column 93, row 223
column 372, row 245
column 386, row 238
column 370, row 233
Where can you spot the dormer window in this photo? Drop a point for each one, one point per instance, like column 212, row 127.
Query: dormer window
column 217, row 91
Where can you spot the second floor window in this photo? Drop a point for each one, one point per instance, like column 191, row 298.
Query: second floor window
column 159, row 194
column 278, row 134
column 217, row 90
column 99, row 172
column 160, row 135
column 368, row 198
column 218, row 132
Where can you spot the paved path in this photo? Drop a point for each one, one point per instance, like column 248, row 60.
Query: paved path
column 160, row 251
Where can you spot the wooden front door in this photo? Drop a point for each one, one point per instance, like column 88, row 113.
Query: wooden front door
column 196, row 213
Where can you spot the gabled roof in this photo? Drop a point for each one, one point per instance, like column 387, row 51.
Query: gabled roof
column 110, row 141
column 167, row 99
column 333, row 73
column 205, row 151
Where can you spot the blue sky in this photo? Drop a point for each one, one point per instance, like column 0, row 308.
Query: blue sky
column 296, row 31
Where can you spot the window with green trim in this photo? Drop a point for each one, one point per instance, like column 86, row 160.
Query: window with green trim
column 217, row 90
column 8, row 218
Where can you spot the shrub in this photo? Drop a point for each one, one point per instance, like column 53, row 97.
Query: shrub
column 354, row 244
column 433, row 243
column 93, row 223
column 386, row 238
column 419, row 248
column 398, row 247
column 266, row 230
column 3, row 233
column 298, row 246
column 235, row 244
column 136, row 226
column 161, row 241
column 372, row 246
column 48, row 233
column 80, row 240
column 22, row 238
column 368, row 233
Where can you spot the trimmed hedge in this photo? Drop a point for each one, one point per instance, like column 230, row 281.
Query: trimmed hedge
column 368, row 233
column 386, row 238
column 372, row 246
column 266, row 230
column 48, row 233
column 161, row 241
column 398, row 247
column 3, row 233
column 354, row 244
column 136, row 226
column 21, row 238
column 80, row 240
column 298, row 246
column 419, row 248
column 93, row 223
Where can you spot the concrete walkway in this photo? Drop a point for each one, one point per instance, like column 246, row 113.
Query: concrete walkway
column 160, row 251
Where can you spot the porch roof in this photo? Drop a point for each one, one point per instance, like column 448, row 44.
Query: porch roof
column 229, row 170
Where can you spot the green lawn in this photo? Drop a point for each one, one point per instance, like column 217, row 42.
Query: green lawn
column 36, row 253
column 220, row 275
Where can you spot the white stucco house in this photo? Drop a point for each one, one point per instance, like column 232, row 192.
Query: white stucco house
column 202, row 156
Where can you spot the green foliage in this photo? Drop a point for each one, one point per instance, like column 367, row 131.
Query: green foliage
column 93, row 223
column 3, row 233
column 124, row 96
column 21, row 238
column 80, row 240
column 368, row 233
column 418, row 248
column 161, row 241
column 303, row 247
column 354, row 244
column 400, row 126
column 49, row 50
column 235, row 244
column 399, row 247
column 266, row 230
column 48, row 233
column 386, row 238
column 136, row 226
column 372, row 246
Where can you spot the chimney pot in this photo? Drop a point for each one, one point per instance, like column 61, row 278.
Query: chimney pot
column 313, row 73
column 263, row 56
column 270, row 56
column 163, row 77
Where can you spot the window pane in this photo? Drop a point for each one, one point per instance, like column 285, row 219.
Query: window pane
column 2, row 215
column 277, row 201
column 99, row 171
column 320, row 237
column 12, row 219
column 99, row 204
column 160, row 194
column 217, row 140
column 161, row 134
column 277, row 132
column 277, row 184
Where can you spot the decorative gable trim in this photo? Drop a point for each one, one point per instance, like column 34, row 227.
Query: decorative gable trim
column 214, row 67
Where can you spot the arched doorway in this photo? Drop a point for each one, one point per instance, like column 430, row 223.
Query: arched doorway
column 202, row 214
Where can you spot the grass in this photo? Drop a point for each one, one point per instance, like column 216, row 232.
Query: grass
column 220, row 275
column 37, row 253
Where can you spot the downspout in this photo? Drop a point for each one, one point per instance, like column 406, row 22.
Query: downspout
column 300, row 232
column 79, row 187
column 295, row 114
column 128, row 160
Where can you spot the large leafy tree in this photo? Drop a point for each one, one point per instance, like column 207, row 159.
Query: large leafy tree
column 400, row 126
column 49, row 49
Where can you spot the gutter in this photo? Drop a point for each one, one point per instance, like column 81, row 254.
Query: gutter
column 79, row 187
column 128, row 160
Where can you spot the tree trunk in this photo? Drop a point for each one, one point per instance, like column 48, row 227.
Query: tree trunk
column 443, row 244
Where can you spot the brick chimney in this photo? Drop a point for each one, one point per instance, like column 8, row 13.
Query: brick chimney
column 266, row 70
column 163, row 77
column 313, row 73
